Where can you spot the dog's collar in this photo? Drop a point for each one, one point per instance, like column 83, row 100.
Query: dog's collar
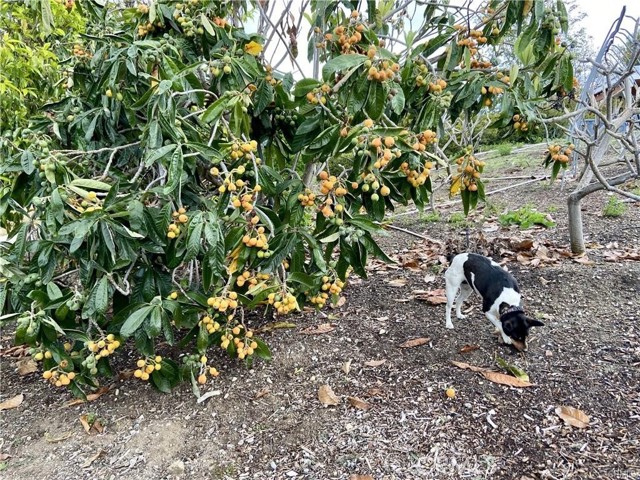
column 512, row 309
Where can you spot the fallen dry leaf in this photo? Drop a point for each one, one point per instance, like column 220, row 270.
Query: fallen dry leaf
column 15, row 351
column 26, row 366
column 434, row 297
column 91, row 425
column 356, row 476
column 428, row 278
column 320, row 329
column 503, row 379
column 51, row 439
column 92, row 459
column 397, row 282
column 583, row 260
column 468, row 366
column 469, row 348
column 4, row 456
column 90, row 398
column 412, row 264
column 415, row 342
column 359, row 404
column 375, row 392
column 12, row 402
column 341, row 301
column 573, row 416
column 262, row 392
column 327, row 397
column 526, row 244
column 346, row 367
column 374, row 363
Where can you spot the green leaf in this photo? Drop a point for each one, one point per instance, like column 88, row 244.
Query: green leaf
column 101, row 302
column 135, row 320
column 342, row 62
column 398, row 100
column 194, row 239
column 207, row 25
column 47, row 16
column 302, row 278
column 305, row 85
column 154, row 325
column 158, row 153
column 512, row 369
column 175, row 170
column 215, row 110
column 375, row 100
column 91, row 184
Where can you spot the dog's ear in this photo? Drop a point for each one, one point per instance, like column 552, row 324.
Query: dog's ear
column 532, row 322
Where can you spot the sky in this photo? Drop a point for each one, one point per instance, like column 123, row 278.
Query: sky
column 602, row 13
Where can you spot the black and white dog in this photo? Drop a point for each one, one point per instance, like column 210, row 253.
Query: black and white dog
column 469, row 272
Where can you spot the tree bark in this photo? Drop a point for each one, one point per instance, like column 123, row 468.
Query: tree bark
column 576, row 235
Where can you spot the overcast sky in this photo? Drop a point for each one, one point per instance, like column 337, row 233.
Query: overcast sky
column 602, row 13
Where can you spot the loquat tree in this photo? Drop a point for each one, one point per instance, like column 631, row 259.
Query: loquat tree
column 177, row 180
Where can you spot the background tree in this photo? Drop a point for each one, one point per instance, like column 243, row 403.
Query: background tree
column 605, row 122
column 171, row 187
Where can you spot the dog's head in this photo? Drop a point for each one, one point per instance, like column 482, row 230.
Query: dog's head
column 516, row 325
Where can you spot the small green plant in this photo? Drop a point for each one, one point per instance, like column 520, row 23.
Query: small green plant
column 504, row 149
column 614, row 208
column 525, row 217
column 457, row 218
column 431, row 217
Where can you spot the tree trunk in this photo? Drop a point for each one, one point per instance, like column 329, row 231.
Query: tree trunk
column 576, row 236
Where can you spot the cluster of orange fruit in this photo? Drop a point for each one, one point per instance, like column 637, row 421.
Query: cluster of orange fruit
column 520, row 123
column 283, row 302
column 58, row 376
column 423, row 139
column 347, row 37
column 252, row 280
column 416, row 177
column 245, row 347
column 259, row 241
column 318, row 94
column 481, row 64
column 246, row 149
column 329, row 183
column 438, row 86
column 78, row 51
column 383, row 148
column 210, row 324
column 146, row 366
column 383, row 70
column 469, row 170
column 560, row 154
column 103, row 347
column 225, row 302
column 202, row 378
column 245, row 201
column 179, row 218
column 472, row 40
column 307, row 199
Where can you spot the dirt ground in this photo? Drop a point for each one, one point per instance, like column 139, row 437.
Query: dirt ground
column 267, row 422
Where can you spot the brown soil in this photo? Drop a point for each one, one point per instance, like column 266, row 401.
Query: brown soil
column 267, row 422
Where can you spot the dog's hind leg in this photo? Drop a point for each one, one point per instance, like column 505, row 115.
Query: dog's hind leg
column 451, row 290
column 465, row 291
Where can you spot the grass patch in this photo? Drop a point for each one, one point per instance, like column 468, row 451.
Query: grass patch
column 431, row 217
column 525, row 217
column 458, row 218
column 614, row 208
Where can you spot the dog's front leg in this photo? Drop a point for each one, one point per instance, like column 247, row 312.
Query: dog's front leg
column 493, row 318
column 451, row 295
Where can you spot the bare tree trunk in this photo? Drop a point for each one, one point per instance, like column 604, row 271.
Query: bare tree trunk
column 576, row 235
